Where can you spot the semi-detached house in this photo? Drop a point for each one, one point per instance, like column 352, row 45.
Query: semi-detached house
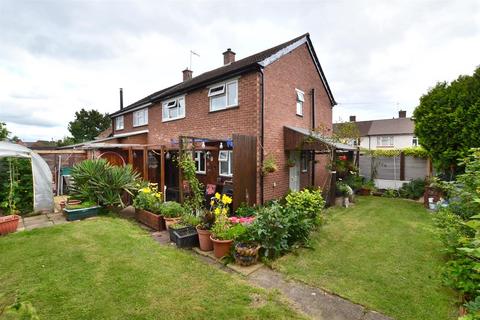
column 260, row 107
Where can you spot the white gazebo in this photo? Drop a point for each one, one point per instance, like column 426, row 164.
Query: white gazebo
column 41, row 175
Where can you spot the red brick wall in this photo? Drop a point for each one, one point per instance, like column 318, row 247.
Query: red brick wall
column 295, row 70
column 128, row 124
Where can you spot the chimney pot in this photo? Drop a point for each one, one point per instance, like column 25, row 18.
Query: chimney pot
column 121, row 98
column 187, row 74
column 228, row 56
column 402, row 114
column 353, row 118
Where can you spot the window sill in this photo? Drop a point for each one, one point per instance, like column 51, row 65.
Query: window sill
column 225, row 109
column 140, row 125
column 299, row 115
column 173, row 119
column 119, row 129
column 201, row 173
column 225, row 176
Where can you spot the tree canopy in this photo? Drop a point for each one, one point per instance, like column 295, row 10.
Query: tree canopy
column 447, row 121
column 3, row 131
column 88, row 124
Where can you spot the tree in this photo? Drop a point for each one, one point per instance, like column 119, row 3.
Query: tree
column 88, row 124
column 346, row 132
column 3, row 131
column 447, row 121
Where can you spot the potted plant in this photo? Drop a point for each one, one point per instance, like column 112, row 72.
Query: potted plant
column 147, row 207
column 9, row 224
column 80, row 211
column 221, row 231
column 246, row 246
column 172, row 212
column 207, row 219
column 183, row 233
column 367, row 188
column 63, row 203
column 269, row 165
column 343, row 193
column 291, row 163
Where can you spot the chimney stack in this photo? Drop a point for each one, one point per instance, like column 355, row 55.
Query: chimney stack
column 228, row 56
column 353, row 118
column 187, row 74
column 121, row 98
column 402, row 114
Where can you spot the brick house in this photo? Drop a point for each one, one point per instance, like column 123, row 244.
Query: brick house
column 238, row 115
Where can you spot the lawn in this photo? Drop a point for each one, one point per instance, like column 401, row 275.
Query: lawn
column 109, row 268
column 381, row 253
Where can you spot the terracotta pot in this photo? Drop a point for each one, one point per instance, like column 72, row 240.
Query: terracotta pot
column 364, row 192
column 206, row 243
column 63, row 203
column 170, row 221
column 221, row 247
column 150, row 219
column 8, row 224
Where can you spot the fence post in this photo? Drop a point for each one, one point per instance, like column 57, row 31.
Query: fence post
column 402, row 166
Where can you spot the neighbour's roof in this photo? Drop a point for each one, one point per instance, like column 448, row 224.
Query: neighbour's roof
column 259, row 59
column 384, row 126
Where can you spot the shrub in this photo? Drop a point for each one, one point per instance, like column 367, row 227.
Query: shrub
column 412, row 190
column 190, row 219
column 390, row 193
column 148, row 198
column 99, row 181
column 171, row 209
column 245, row 211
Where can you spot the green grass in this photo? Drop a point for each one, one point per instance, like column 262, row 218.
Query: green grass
column 109, row 268
column 382, row 253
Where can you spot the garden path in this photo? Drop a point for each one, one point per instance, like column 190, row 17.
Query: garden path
column 41, row 221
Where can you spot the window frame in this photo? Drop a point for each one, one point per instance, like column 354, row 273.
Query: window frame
column 304, row 162
column 176, row 104
column 198, row 155
column 380, row 141
column 229, row 161
column 117, row 127
column 415, row 141
column 300, row 99
column 135, row 117
column 224, row 92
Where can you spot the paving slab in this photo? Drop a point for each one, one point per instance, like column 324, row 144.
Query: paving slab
column 314, row 302
column 39, row 221
column 162, row 237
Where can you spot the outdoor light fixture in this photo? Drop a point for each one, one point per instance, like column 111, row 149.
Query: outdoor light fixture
column 167, row 155
column 203, row 144
column 221, row 145
column 208, row 155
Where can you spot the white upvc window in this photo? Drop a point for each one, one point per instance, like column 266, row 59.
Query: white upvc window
column 415, row 141
column 173, row 109
column 385, row 141
column 223, row 95
column 225, row 163
column 300, row 100
column 119, row 123
column 140, row 117
column 200, row 162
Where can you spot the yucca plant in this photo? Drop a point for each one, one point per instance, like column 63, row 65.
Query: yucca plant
column 99, row 181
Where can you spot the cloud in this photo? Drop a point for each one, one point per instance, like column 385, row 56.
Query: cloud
column 58, row 57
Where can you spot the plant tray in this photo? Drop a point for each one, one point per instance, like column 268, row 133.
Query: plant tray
column 184, row 237
column 82, row 213
column 150, row 219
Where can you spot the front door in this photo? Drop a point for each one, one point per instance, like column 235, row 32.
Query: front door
column 294, row 184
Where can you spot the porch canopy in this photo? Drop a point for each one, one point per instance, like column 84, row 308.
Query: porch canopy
column 41, row 175
column 304, row 139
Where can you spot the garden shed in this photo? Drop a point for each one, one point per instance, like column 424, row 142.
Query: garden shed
column 41, row 175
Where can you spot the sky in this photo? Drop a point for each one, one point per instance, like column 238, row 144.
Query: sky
column 379, row 56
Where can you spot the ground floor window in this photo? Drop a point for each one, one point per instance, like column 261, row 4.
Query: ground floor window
column 225, row 161
column 200, row 162
column 304, row 162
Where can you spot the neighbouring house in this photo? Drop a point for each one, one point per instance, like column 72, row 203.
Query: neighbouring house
column 396, row 133
column 235, row 117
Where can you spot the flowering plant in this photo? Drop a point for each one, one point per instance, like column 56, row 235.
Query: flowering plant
column 219, row 204
column 242, row 220
column 149, row 198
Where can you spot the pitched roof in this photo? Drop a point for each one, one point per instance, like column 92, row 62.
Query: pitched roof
column 384, row 126
column 260, row 59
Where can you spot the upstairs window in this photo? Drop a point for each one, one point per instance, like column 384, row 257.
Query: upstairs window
column 300, row 100
column 414, row 141
column 140, row 117
column 119, row 123
column 173, row 109
column 225, row 161
column 385, row 141
column 223, row 96
column 200, row 162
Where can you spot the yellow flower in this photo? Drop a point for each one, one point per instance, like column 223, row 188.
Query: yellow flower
column 212, row 203
column 145, row 190
column 224, row 211
column 217, row 211
column 217, row 195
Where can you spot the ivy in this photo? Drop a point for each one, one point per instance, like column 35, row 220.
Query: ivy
column 417, row 152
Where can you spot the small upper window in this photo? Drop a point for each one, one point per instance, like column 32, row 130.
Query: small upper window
column 225, row 161
column 223, row 96
column 140, row 117
column 119, row 125
column 200, row 162
column 385, row 141
column 415, row 141
column 173, row 109
column 300, row 101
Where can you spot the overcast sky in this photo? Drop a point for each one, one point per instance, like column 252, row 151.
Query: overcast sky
column 378, row 56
